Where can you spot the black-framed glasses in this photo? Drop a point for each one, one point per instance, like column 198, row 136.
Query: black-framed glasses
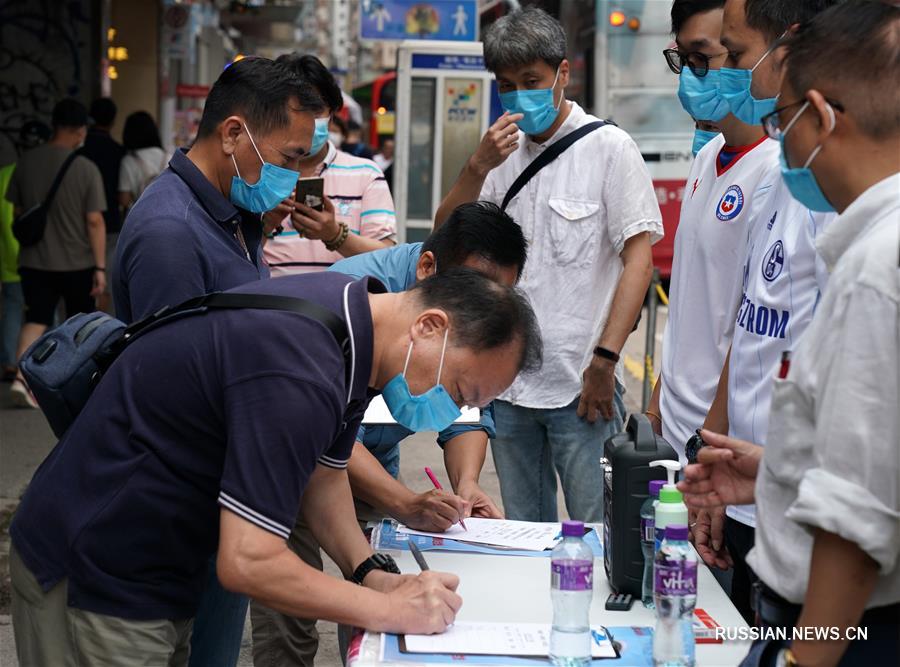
column 696, row 61
column 771, row 122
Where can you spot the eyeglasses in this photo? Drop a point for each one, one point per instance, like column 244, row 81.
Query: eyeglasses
column 771, row 122
column 696, row 61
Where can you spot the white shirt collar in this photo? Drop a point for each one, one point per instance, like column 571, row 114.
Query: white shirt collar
column 572, row 122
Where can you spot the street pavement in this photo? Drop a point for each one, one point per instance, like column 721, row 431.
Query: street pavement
column 25, row 440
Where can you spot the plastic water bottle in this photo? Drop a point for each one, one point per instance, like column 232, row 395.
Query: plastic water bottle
column 571, row 589
column 648, row 541
column 675, row 593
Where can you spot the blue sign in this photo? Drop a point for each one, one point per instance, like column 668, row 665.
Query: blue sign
column 454, row 20
column 437, row 61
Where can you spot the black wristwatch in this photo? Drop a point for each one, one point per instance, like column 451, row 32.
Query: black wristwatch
column 605, row 353
column 374, row 562
column 693, row 446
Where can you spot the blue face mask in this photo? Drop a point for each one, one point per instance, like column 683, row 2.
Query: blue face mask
column 734, row 87
column 274, row 185
column 701, row 138
column 320, row 136
column 801, row 181
column 432, row 411
column 699, row 95
column 536, row 105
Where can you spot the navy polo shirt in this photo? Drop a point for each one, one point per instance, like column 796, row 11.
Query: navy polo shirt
column 179, row 242
column 225, row 409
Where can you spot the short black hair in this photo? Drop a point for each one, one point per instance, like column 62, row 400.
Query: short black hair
column 103, row 111
column 353, row 126
column 342, row 126
column 140, row 131
column 481, row 229
column 69, row 113
column 852, row 53
column 773, row 17
column 484, row 315
column 260, row 90
column 682, row 10
column 314, row 71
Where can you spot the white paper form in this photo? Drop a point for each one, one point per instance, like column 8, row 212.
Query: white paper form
column 506, row 639
column 378, row 413
column 526, row 535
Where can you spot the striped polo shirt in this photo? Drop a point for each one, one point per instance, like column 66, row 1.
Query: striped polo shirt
column 361, row 199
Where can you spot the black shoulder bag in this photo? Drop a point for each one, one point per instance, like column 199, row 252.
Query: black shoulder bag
column 29, row 227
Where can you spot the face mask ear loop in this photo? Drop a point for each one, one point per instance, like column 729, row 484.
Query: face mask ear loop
column 443, row 351
column 408, row 355
column 234, row 162
column 253, row 143
column 553, row 87
column 812, row 156
column 769, row 50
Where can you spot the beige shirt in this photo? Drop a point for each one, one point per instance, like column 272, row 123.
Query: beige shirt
column 832, row 457
column 65, row 246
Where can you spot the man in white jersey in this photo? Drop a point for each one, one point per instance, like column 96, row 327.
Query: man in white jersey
column 826, row 485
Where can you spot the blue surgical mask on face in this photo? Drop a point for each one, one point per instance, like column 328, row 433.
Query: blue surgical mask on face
column 320, row 136
column 734, row 87
column 537, row 107
column 699, row 95
column 274, row 185
column 432, row 411
column 701, row 138
column 801, row 181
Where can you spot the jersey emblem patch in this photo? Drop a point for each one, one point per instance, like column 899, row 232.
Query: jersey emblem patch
column 773, row 262
column 730, row 204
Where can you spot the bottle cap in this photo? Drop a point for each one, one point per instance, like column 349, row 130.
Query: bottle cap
column 670, row 495
column 655, row 486
column 573, row 528
column 676, row 532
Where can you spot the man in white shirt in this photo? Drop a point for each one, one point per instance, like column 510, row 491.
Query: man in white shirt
column 827, row 485
column 590, row 218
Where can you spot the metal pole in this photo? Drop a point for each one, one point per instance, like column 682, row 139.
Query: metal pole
column 650, row 345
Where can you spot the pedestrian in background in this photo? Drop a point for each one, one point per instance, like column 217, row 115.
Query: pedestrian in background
column 69, row 262
column 354, row 143
column 145, row 159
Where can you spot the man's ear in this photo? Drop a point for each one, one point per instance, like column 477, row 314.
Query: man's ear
column 824, row 113
column 430, row 323
column 426, row 266
column 564, row 72
column 229, row 131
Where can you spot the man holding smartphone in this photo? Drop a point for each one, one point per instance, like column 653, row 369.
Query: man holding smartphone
column 355, row 211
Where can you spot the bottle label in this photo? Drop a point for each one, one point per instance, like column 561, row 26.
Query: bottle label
column 572, row 575
column 675, row 577
column 648, row 534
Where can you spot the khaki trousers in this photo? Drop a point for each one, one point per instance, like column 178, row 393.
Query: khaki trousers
column 50, row 632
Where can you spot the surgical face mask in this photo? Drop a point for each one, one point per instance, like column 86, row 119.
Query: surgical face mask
column 274, row 185
column 701, row 138
column 336, row 138
column 320, row 136
column 734, row 87
column 432, row 411
column 800, row 181
column 699, row 95
column 537, row 107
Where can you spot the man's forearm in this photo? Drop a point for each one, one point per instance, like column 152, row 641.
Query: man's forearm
column 356, row 245
column 464, row 457
column 717, row 417
column 841, row 580
column 373, row 484
column 96, row 230
column 467, row 188
column 630, row 292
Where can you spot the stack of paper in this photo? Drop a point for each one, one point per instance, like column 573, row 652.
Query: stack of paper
column 525, row 535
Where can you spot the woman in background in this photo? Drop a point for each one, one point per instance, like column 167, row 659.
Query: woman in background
column 145, row 160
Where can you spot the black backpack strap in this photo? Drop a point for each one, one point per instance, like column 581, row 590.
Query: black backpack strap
column 552, row 152
column 60, row 175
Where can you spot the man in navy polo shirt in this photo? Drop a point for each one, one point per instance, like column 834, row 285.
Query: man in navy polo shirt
column 477, row 235
column 203, row 437
column 196, row 228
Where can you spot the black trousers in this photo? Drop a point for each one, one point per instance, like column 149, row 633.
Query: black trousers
column 739, row 541
column 43, row 290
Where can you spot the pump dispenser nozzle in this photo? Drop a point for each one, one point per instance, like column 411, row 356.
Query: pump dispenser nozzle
column 671, row 468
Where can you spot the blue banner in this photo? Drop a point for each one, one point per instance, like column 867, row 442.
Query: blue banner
column 437, row 61
column 453, row 20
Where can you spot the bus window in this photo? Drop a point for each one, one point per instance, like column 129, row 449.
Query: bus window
column 421, row 148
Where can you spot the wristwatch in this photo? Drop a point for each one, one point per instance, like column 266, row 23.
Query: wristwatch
column 693, row 446
column 374, row 562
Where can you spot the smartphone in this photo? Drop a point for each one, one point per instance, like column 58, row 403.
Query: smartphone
column 311, row 191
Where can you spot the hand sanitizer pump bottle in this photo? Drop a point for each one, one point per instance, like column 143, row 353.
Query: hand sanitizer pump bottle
column 671, row 509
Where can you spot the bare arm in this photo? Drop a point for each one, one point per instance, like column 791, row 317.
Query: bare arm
column 96, row 230
column 126, row 199
column 599, row 377
column 841, row 579
column 652, row 411
column 356, row 245
column 464, row 458
column 717, row 417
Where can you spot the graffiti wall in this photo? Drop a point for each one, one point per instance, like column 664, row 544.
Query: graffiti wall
column 45, row 50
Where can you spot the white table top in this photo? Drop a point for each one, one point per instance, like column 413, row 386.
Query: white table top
column 517, row 589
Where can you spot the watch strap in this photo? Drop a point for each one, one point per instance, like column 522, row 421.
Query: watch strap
column 374, row 562
column 604, row 353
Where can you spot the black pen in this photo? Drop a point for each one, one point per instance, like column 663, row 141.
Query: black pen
column 417, row 554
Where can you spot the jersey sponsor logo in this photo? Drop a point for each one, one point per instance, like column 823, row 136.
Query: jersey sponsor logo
column 762, row 320
column 694, row 189
column 773, row 262
column 730, row 204
column 772, row 220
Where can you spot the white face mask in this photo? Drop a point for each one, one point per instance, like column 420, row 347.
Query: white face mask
column 336, row 138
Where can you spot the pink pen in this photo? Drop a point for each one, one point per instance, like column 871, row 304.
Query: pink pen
column 438, row 486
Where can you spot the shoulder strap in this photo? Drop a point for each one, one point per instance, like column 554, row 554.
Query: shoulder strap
column 60, row 175
column 549, row 155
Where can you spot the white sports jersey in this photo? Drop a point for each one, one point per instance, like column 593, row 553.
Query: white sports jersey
column 783, row 280
column 710, row 245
